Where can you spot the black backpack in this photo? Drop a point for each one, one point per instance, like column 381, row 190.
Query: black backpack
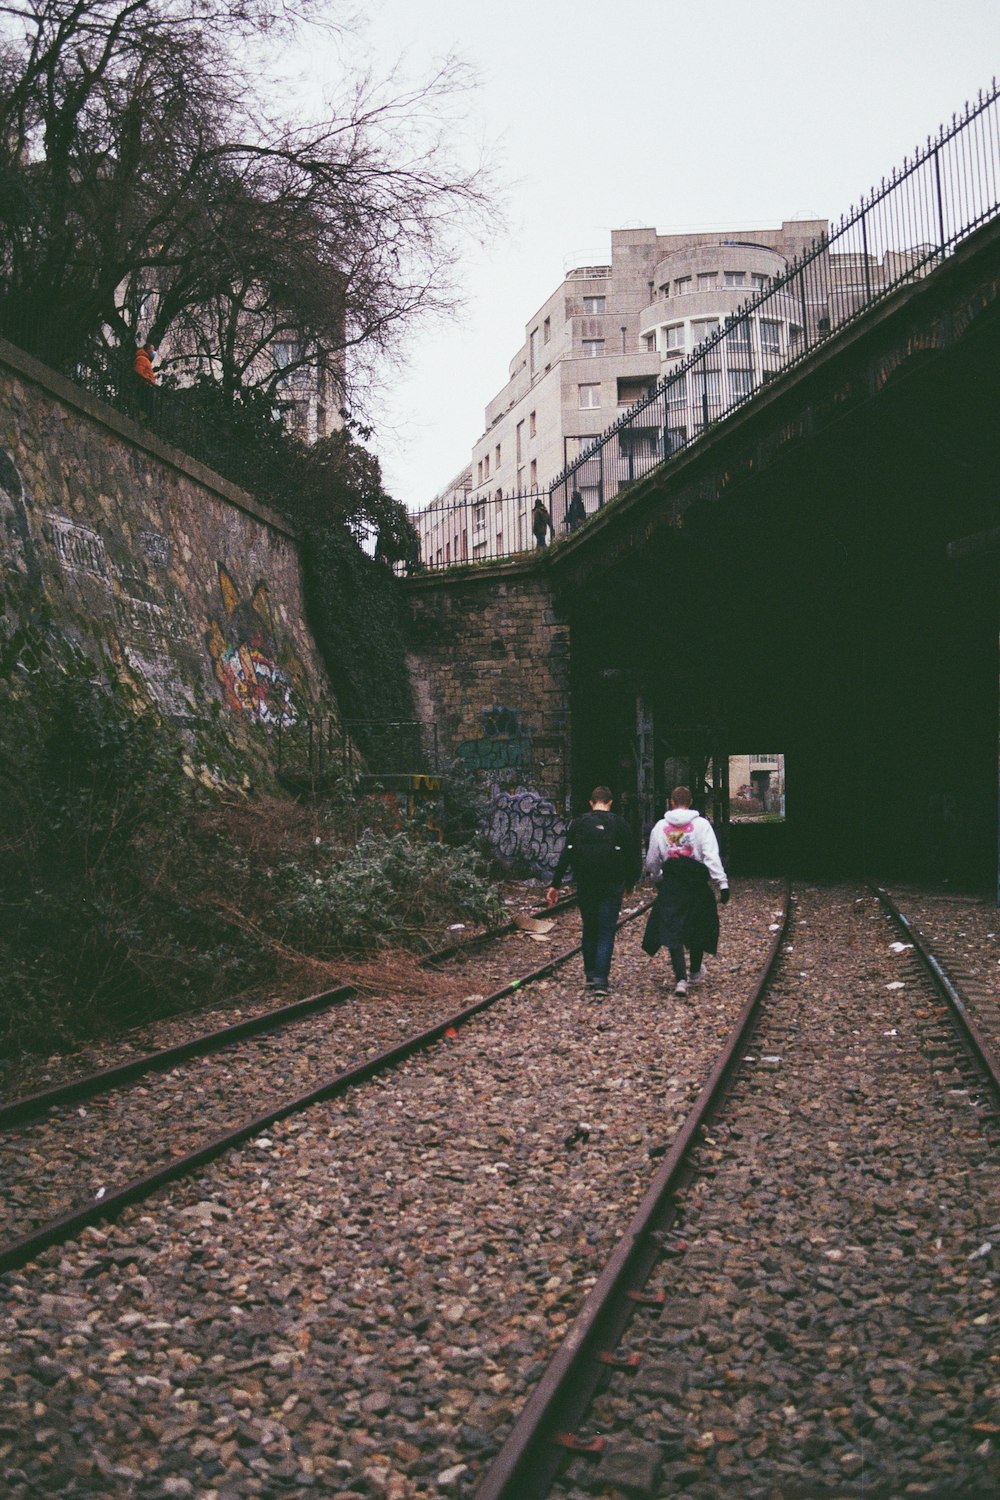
column 597, row 849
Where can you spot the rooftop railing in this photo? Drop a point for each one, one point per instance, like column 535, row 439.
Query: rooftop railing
column 901, row 231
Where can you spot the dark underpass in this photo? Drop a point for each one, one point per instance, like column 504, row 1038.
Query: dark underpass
column 835, row 601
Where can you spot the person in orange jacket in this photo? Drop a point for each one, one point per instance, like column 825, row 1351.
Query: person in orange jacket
column 143, row 363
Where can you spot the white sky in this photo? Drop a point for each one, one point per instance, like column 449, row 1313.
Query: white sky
column 652, row 112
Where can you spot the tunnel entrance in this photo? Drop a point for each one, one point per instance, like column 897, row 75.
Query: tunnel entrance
column 825, row 608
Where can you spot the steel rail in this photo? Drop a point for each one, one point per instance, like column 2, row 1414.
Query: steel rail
column 109, row 1204
column 529, row 1460
column 976, row 1043
column 30, row 1106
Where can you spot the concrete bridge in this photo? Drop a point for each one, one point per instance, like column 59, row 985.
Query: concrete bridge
column 817, row 575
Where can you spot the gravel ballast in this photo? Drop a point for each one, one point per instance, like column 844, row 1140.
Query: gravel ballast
column 831, row 1322
column 359, row 1302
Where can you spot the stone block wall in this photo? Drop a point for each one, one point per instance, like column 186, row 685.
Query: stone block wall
column 145, row 558
column 489, row 659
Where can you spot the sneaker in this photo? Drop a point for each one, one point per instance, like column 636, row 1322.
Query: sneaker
column 698, row 975
column 600, row 988
column 681, row 988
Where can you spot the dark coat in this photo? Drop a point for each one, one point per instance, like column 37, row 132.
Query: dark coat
column 684, row 913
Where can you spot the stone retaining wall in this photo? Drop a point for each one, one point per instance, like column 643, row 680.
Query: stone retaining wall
column 145, row 558
column 489, row 658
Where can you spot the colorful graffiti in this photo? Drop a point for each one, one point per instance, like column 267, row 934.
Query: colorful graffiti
column 525, row 828
column 243, row 650
column 504, row 744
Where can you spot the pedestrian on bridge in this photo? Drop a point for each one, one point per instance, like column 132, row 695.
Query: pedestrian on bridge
column 601, row 853
column 541, row 522
column 684, row 856
column 576, row 512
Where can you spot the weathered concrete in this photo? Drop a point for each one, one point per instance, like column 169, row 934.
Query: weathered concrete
column 148, row 560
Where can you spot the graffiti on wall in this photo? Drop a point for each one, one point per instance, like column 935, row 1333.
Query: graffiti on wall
column 19, row 550
column 523, row 826
column 147, row 627
column 126, row 591
column 503, row 745
column 245, row 657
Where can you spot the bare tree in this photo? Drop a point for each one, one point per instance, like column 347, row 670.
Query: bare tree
column 147, row 190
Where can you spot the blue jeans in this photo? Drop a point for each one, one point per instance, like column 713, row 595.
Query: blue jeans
column 599, row 912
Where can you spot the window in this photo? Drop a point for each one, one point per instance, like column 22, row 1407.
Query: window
column 533, row 473
column 546, row 330
column 770, row 336
column 593, row 348
column 682, row 285
column 519, row 440
column 703, row 328
column 533, row 349
column 594, row 305
column 705, row 389
column 577, row 445
column 590, row 395
column 632, row 388
column 497, row 456
column 286, row 352
column 638, row 444
column 705, row 383
column 532, row 425
column 486, row 466
column 651, row 342
column 758, row 281
column 673, row 338
column 479, row 472
column 735, row 278
column 707, row 281
column 479, row 515
column 677, row 391
column 740, row 384
column 738, row 333
column 676, row 438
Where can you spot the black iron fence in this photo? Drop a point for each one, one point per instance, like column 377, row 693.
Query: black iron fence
column 324, row 747
column 899, row 233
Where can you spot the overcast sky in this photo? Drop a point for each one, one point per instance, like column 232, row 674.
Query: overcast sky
column 681, row 116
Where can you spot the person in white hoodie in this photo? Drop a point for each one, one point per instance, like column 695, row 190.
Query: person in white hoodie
column 684, row 856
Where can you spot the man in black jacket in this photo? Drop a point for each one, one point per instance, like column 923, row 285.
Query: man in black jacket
column 601, row 852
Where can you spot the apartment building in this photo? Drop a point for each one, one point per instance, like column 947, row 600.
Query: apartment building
column 603, row 339
column 760, row 779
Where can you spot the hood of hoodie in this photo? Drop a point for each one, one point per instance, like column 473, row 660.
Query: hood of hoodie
column 678, row 816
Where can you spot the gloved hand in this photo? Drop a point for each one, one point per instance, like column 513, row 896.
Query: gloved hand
column 724, row 895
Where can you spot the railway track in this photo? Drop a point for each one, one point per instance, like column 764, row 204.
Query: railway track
column 366, row 1298
column 371, row 1286
column 57, row 1171
column 86, row 1085
column 685, row 1263
column 958, row 943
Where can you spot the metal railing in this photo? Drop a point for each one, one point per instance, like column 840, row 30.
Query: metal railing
column 326, row 747
column 899, row 233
